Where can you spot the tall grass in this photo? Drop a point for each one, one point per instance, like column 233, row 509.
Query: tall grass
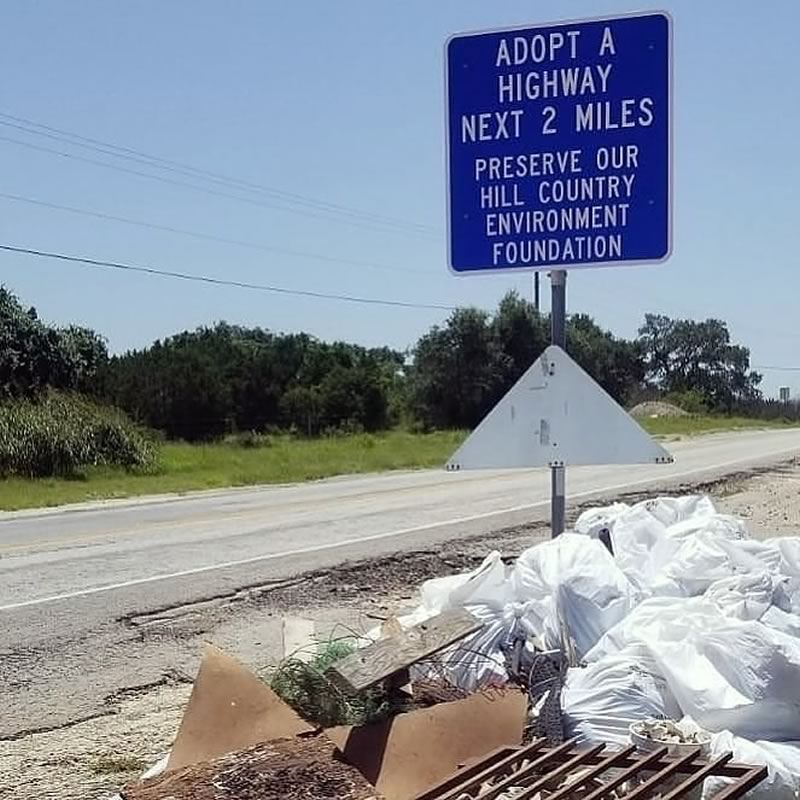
column 58, row 435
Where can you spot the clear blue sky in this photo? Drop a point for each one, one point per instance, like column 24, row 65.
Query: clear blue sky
column 342, row 102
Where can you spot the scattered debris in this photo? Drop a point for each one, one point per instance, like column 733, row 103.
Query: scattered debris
column 408, row 754
column 628, row 634
column 392, row 655
column 230, row 709
column 661, row 732
column 310, row 690
column 282, row 769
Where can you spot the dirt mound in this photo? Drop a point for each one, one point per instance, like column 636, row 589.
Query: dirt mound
column 657, row 408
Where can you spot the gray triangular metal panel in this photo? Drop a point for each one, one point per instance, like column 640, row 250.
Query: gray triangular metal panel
column 555, row 414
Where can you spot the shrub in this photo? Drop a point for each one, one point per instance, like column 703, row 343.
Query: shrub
column 60, row 434
column 310, row 692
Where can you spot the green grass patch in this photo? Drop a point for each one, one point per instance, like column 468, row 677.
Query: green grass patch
column 279, row 459
column 248, row 461
column 699, row 424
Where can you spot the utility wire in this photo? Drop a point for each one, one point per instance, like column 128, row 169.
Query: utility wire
column 185, row 184
column 776, row 369
column 210, row 237
column 155, row 162
column 164, row 163
column 97, row 263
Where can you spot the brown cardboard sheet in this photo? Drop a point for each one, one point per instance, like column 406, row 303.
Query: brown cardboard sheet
column 230, row 709
column 412, row 752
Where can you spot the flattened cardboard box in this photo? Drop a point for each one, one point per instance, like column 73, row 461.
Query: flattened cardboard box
column 231, row 709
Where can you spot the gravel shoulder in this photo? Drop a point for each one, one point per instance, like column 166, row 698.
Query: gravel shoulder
column 89, row 759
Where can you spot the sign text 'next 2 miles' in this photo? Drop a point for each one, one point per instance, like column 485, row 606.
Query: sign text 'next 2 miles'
column 559, row 145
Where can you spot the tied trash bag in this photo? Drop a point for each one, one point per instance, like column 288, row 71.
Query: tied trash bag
column 764, row 666
column 487, row 585
column 601, row 701
column 572, row 587
column 640, row 534
column 745, row 597
column 789, row 550
column 725, row 673
column 703, row 556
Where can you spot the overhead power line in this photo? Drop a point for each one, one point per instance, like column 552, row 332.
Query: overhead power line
column 206, row 190
column 332, row 210
column 185, row 276
column 776, row 369
column 211, row 237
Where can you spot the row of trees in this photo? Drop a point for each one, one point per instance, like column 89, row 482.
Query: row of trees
column 462, row 369
column 216, row 380
column 212, row 381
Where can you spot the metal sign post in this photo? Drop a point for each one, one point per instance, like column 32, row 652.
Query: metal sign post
column 558, row 337
column 559, row 156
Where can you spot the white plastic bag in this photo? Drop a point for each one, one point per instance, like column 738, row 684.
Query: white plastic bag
column 658, row 621
column 641, row 538
column 486, row 585
column 572, row 585
column 743, row 597
column 763, row 665
column 724, row 673
column 602, row 700
column 781, row 758
column 705, row 554
column 789, row 549
column 594, row 520
column 486, row 592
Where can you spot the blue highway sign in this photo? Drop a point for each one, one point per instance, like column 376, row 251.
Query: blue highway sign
column 559, row 143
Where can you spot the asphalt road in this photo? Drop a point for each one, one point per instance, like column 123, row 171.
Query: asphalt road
column 69, row 577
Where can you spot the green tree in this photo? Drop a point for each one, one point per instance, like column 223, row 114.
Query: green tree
column 457, row 369
column 35, row 356
column 462, row 369
column 301, row 408
column 683, row 356
column 616, row 364
column 520, row 336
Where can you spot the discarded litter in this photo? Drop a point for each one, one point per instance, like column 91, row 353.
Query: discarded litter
column 660, row 626
column 650, row 734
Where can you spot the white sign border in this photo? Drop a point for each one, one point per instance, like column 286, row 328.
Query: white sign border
column 490, row 270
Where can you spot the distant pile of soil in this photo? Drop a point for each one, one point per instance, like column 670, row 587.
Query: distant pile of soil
column 657, row 408
column 285, row 769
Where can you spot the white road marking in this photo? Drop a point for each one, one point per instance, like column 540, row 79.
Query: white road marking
column 373, row 537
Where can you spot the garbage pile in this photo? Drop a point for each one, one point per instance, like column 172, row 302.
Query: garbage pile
column 680, row 615
column 660, row 627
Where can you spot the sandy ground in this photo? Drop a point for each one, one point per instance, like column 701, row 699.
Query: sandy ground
column 89, row 760
column 770, row 503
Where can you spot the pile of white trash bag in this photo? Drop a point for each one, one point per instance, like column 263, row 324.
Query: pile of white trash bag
column 690, row 619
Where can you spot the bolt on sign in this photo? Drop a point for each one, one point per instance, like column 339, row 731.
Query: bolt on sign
column 559, row 144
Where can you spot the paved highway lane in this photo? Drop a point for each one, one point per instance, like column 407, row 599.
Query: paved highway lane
column 54, row 556
column 71, row 579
